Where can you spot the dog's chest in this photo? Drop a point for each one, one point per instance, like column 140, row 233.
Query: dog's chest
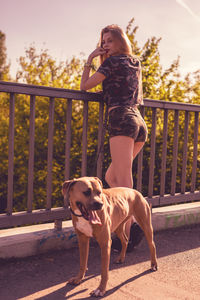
column 84, row 226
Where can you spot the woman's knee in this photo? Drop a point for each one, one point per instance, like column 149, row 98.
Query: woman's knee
column 107, row 178
column 124, row 179
column 121, row 177
column 110, row 179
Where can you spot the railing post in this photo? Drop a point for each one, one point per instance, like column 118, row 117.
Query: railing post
column 101, row 133
column 11, row 154
column 175, row 153
column 50, row 153
column 31, row 153
column 84, row 139
column 140, row 160
column 185, row 147
column 195, row 152
column 164, row 154
column 152, row 154
column 68, row 138
column 58, row 224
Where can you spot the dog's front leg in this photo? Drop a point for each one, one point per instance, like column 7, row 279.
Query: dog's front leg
column 83, row 242
column 105, row 244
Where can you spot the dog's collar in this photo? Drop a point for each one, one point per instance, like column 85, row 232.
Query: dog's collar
column 88, row 216
column 83, row 212
column 74, row 213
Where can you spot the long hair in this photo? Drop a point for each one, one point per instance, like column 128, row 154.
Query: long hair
column 120, row 36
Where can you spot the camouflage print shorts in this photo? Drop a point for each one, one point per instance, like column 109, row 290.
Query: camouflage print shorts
column 127, row 121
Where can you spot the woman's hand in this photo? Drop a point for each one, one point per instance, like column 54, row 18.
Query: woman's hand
column 98, row 51
column 90, row 82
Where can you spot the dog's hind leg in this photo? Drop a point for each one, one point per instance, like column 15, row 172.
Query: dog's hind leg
column 144, row 220
column 83, row 242
column 148, row 231
column 120, row 232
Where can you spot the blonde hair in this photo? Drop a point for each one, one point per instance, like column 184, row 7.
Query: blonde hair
column 120, row 36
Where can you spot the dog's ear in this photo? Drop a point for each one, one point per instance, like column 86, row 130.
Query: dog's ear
column 65, row 190
column 99, row 180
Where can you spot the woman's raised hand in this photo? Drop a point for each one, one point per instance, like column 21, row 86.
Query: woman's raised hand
column 98, row 51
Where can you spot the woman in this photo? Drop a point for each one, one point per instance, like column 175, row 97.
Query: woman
column 120, row 73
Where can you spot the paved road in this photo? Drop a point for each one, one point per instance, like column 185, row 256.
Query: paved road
column 45, row 276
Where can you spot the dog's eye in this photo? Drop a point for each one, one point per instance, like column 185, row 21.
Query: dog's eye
column 87, row 193
column 98, row 193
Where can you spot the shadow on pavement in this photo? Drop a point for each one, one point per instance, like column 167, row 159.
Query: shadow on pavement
column 20, row 278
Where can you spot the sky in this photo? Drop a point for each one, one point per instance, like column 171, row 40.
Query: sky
column 68, row 28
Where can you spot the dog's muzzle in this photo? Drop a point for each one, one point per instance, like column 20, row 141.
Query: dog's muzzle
column 90, row 213
column 96, row 206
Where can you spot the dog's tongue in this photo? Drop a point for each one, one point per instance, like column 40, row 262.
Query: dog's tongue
column 94, row 218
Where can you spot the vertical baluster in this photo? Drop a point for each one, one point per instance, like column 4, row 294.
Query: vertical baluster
column 50, row 153
column 68, row 138
column 195, row 153
column 185, row 148
column 175, row 153
column 11, row 154
column 152, row 154
column 164, row 154
column 140, row 161
column 101, row 133
column 84, row 139
column 31, row 153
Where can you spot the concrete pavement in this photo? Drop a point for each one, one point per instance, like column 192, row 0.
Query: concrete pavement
column 36, row 239
column 45, row 276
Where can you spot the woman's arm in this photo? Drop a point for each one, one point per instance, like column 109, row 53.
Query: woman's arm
column 90, row 82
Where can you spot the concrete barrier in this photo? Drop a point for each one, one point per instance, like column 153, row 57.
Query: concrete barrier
column 176, row 216
column 36, row 239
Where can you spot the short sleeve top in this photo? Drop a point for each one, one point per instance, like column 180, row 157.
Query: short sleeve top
column 123, row 83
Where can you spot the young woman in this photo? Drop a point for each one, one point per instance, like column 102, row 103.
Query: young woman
column 120, row 73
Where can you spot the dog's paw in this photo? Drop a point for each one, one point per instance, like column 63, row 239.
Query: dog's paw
column 120, row 260
column 97, row 293
column 154, row 267
column 75, row 280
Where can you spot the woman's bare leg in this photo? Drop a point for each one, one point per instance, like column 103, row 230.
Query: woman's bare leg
column 123, row 152
column 137, row 148
column 119, row 172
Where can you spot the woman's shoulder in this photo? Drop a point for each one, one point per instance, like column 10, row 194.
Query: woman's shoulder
column 135, row 59
column 120, row 60
column 126, row 58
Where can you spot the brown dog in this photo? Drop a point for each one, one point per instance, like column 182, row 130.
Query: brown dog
column 97, row 212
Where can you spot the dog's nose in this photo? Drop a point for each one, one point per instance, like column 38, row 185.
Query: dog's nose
column 96, row 205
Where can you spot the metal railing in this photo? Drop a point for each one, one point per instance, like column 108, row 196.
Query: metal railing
column 155, row 107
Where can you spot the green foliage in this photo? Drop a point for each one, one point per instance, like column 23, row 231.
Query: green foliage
column 4, row 67
column 41, row 69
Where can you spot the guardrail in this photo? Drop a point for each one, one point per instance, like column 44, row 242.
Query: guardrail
column 156, row 107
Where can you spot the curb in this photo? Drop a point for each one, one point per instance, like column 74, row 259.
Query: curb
column 176, row 216
column 36, row 239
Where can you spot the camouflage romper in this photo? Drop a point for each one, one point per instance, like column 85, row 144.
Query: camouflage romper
column 122, row 87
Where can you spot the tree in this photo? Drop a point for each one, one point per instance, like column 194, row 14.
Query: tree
column 41, row 69
column 4, row 67
column 4, row 118
column 167, row 85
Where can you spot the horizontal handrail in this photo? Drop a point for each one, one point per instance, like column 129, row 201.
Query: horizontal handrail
column 37, row 90
column 45, row 91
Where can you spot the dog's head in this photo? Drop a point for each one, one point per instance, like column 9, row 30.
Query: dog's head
column 84, row 194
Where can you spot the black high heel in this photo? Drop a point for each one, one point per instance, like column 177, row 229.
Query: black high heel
column 136, row 236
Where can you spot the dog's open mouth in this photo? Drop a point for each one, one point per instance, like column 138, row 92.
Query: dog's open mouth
column 87, row 214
